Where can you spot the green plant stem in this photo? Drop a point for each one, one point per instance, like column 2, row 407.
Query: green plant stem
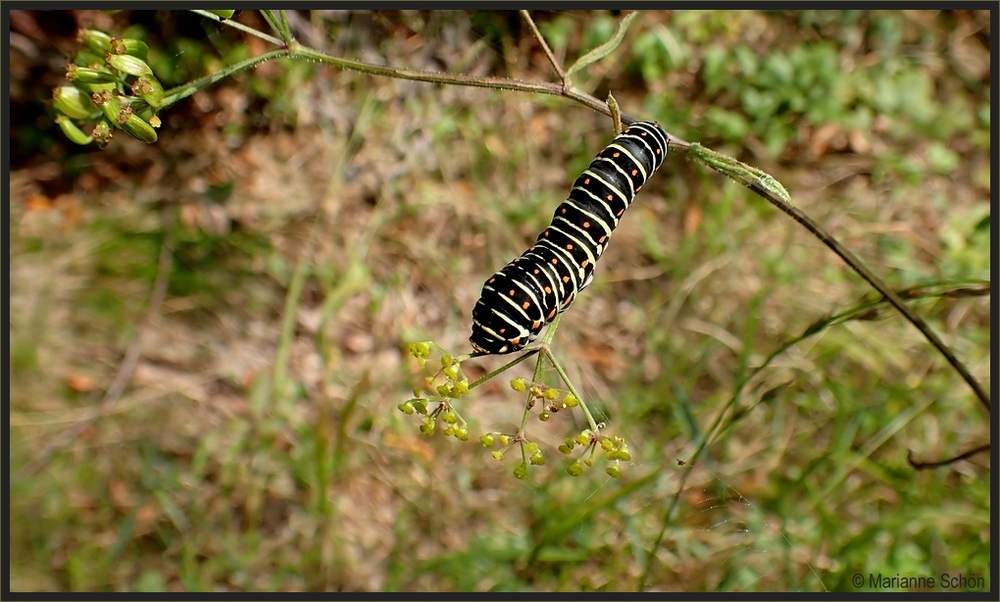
column 524, row 356
column 545, row 47
column 546, row 344
column 882, row 288
column 241, row 27
column 594, row 427
column 181, row 92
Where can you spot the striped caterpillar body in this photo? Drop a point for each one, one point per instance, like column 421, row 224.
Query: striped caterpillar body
column 529, row 292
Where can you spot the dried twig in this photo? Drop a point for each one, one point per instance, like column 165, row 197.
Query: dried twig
column 959, row 457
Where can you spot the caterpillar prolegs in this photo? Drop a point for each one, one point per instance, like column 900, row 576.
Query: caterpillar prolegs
column 529, row 292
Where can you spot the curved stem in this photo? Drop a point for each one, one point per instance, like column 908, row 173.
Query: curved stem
column 935, row 464
column 889, row 294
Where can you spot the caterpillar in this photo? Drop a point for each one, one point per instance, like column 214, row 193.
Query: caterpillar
column 530, row 291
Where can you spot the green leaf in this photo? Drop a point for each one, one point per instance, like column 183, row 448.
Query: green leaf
column 604, row 49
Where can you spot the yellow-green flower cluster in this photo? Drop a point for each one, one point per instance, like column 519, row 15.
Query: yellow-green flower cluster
column 110, row 86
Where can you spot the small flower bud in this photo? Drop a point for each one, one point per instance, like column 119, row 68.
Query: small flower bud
column 126, row 63
column 97, row 41
column 86, row 58
column 72, row 102
column 108, row 103
column 103, row 133
column 137, row 127
column 72, row 131
column 131, row 46
column 89, row 75
column 150, row 89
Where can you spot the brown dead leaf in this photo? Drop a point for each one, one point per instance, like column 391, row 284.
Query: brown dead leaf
column 822, row 138
column 692, row 219
column 71, row 211
column 145, row 518
column 120, row 496
column 410, row 444
column 38, row 202
column 859, row 142
column 80, row 383
column 603, row 357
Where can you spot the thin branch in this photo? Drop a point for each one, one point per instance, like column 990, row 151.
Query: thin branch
column 881, row 287
column 240, row 26
column 963, row 456
column 548, row 51
column 126, row 368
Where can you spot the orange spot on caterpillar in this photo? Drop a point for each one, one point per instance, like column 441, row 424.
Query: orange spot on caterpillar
column 635, row 172
column 536, row 325
column 555, row 261
column 586, row 224
column 616, row 154
column 585, row 263
column 611, row 198
column 511, row 292
column 569, row 247
column 566, row 279
column 548, row 290
column 602, row 239
column 552, row 314
column 587, row 181
column 516, row 342
column 502, row 330
column 525, row 305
